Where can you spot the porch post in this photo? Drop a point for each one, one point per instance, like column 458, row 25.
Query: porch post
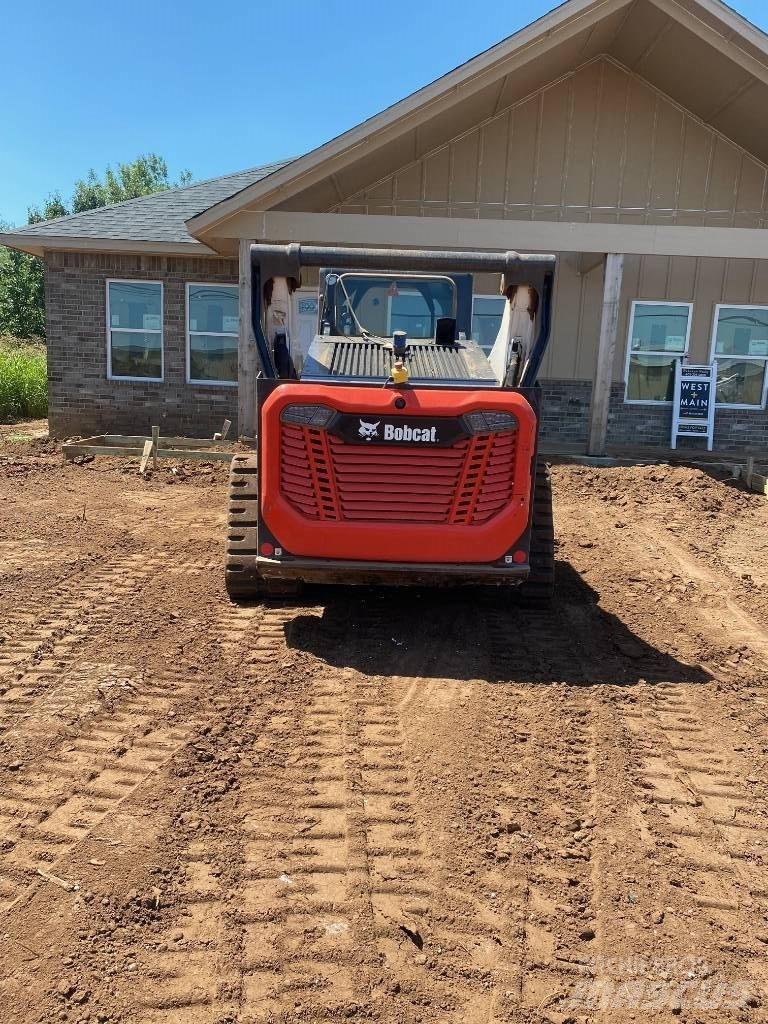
column 247, row 357
column 601, row 388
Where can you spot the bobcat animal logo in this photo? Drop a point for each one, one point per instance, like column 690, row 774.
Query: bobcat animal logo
column 369, row 430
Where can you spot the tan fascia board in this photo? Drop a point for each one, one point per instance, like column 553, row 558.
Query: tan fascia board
column 38, row 245
column 523, row 46
column 541, row 236
column 738, row 27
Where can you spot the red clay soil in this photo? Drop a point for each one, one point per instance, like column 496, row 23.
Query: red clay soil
column 377, row 806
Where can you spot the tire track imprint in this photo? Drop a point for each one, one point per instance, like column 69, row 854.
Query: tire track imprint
column 40, row 646
column 59, row 801
column 693, row 773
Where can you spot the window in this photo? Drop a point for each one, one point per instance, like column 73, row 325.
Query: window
column 134, row 330
column 740, row 346
column 212, row 330
column 487, row 311
column 417, row 311
column 658, row 336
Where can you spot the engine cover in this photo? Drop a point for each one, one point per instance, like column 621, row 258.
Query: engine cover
column 420, row 481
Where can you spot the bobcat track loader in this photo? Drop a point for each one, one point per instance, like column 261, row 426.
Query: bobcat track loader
column 397, row 451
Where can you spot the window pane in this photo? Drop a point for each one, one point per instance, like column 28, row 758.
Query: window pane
column 213, row 308
column 136, row 305
column 383, row 305
column 136, row 354
column 657, row 328
column 651, row 378
column 742, row 332
column 416, row 313
column 212, row 357
column 740, row 382
column 486, row 320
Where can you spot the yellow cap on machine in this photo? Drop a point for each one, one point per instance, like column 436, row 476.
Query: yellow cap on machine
column 400, row 373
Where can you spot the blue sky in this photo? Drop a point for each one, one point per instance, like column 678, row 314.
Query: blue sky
column 218, row 87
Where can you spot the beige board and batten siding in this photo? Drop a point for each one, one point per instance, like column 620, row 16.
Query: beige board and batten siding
column 600, row 144
column 703, row 281
column 578, row 302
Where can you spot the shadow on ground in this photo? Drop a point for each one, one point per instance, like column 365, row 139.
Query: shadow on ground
column 484, row 634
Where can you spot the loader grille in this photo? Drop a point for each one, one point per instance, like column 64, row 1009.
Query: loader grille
column 356, row 358
column 324, row 478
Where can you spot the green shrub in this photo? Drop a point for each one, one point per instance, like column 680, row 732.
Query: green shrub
column 23, row 380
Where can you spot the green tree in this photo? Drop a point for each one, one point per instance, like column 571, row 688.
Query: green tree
column 22, row 291
column 52, row 207
column 141, row 177
column 22, row 311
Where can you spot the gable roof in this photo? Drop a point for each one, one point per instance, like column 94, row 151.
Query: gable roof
column 150, row 222
column 700, row 53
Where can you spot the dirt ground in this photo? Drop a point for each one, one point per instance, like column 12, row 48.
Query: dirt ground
column 390, row 807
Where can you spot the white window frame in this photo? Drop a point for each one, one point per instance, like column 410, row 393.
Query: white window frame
column 136, row 330
column 218, row 334
column 713, row 354
column 484, row 295
column 676, row 355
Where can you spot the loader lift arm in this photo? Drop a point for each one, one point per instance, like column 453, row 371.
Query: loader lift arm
column 286, row 261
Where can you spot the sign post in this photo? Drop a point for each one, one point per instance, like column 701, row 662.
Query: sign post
column 693, row 406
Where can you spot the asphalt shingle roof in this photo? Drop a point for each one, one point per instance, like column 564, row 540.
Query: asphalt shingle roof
column 156, row 218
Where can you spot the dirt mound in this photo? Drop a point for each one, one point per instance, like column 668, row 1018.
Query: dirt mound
column 683, row 491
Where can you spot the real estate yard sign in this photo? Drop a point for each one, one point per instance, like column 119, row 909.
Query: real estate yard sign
column 693, row 407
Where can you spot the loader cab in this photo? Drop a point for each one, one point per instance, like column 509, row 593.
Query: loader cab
column 369, row 320
column 424, row 306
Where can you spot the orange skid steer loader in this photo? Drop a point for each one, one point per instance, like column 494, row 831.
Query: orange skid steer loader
column 396, row 450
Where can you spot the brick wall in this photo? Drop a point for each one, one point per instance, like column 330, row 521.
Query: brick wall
column 565, row 419
column 82, row 400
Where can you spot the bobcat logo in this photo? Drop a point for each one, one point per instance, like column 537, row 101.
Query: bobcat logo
column 369, row 430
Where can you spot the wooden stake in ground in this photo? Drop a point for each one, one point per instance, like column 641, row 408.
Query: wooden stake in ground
column 145, row 457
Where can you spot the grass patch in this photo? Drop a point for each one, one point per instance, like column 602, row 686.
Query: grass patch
column 23, row 380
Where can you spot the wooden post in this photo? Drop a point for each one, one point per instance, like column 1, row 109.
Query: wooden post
column 145, row 457
column 247, row 355
column 606, row 350
column 155, row 445
column 750, row 470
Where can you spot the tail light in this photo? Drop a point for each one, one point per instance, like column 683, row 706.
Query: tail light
column 307, row 415
column 489, row 421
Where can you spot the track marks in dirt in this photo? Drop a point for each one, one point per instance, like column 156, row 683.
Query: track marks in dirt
column 299, row 893
column 721, row 614
column 703, row 783
column 41, row 640
column 240, row 939
column 49, row 808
